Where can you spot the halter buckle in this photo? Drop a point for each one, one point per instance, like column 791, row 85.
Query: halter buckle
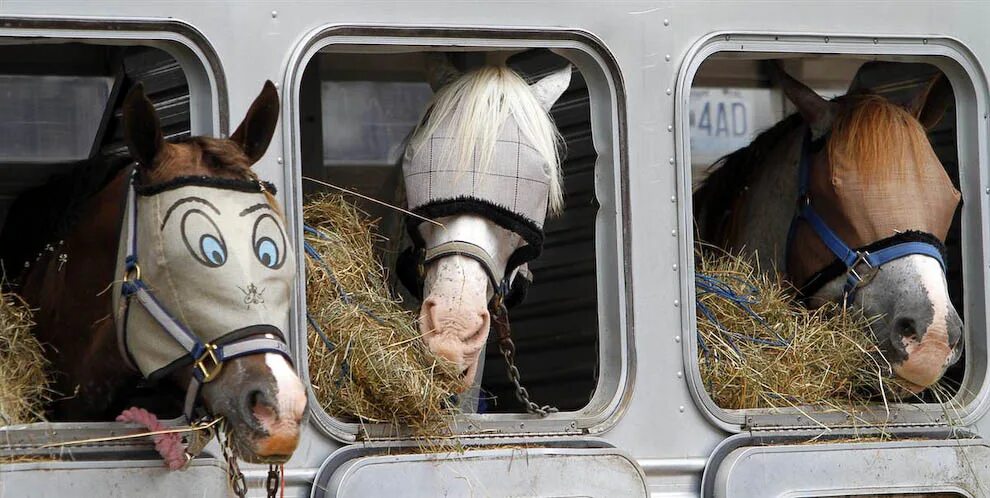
column 132, row 272
column 208, row 364
column 864, row 277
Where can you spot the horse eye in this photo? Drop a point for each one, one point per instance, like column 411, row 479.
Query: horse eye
column 268, row 241
column 203, row 239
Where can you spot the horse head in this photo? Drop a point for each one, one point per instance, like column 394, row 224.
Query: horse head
column 483, row 167
column 874, row 180
column 207, row 240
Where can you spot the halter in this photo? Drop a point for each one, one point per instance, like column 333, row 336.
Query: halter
column 510, row 286
column 859, row 266
column 207, row 358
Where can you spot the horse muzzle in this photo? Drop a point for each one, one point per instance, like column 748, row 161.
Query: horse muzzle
column 925, row 357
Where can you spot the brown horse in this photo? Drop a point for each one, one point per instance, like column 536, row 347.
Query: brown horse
column 848, row 197
column 213, row 252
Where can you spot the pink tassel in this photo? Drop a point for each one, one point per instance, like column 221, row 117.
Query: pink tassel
column 169, row 446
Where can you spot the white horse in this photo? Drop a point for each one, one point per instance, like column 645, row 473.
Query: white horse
column 484, row 166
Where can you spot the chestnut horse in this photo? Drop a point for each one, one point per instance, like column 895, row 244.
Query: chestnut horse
column 204, row 242
column 849, row 199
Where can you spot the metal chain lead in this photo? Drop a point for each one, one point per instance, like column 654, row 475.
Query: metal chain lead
column 500, row 318
column 234, row 475
column 274, row 480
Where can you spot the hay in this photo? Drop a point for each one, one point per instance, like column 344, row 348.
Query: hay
column 782, row 354
column 23, row 380
column 376, row 367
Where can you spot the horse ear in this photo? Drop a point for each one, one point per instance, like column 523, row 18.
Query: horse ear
column 551, row 87
column 142, row 131
column 440, row 70
column 255, row 132
column 930, row 104
column 816, row 111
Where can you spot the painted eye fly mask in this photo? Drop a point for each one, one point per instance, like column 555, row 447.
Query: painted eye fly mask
column 209, row 281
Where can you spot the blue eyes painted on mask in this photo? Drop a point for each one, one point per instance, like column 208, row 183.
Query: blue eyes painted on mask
column 268, row 242
column 203, row 239
column 206, row 243
column 213, row 250
column 267, row 252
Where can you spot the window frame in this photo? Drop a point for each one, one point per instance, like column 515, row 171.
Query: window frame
column 971, row 89
column 616, row 357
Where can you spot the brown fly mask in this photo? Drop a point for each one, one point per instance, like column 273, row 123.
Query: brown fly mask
column 874, row 205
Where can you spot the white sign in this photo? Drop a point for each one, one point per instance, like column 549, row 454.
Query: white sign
column 725, row 119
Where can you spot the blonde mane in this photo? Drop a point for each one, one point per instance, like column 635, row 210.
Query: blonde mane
column 476, row 106
column 880, row 139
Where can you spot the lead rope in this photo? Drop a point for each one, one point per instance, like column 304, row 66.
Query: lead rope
column 500, row 320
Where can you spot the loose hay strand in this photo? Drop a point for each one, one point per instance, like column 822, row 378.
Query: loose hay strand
column 378, row 369
column 24, row 383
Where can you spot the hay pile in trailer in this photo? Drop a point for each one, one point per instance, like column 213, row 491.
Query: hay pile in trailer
column 23, row 378
column 366, row 357
column 759, row 348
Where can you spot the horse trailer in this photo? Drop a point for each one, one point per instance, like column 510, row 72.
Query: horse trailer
column 607, row 333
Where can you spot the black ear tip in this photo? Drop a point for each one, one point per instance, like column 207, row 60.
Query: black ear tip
column 269, row 87
column 136, row 92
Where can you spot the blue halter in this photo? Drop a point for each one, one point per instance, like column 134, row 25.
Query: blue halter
column 860, row 266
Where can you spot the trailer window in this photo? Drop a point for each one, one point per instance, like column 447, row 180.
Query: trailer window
column 371, row 120
column 60, row 103
column 732, row 101
column 366, row 124
column 50, row 118
column 369, row 100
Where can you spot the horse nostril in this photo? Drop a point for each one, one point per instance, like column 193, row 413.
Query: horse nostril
column 906, row 327
column 259, row 408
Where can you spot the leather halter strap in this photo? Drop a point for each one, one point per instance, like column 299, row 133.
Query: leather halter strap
column 860, row 265
column 207, row 358
column 466, row 249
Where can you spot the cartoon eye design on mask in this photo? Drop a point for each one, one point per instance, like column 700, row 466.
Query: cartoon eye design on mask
column 268, row 241
column 203, row 239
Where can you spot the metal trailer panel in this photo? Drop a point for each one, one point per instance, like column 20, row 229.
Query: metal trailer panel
column 855, row 469
column 591, row 472
column 115, row 478
column 658, row 421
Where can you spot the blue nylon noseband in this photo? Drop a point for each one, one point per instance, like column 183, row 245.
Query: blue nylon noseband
column 860, row 265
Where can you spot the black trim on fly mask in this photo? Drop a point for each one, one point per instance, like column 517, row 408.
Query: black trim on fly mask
column 249, row 186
